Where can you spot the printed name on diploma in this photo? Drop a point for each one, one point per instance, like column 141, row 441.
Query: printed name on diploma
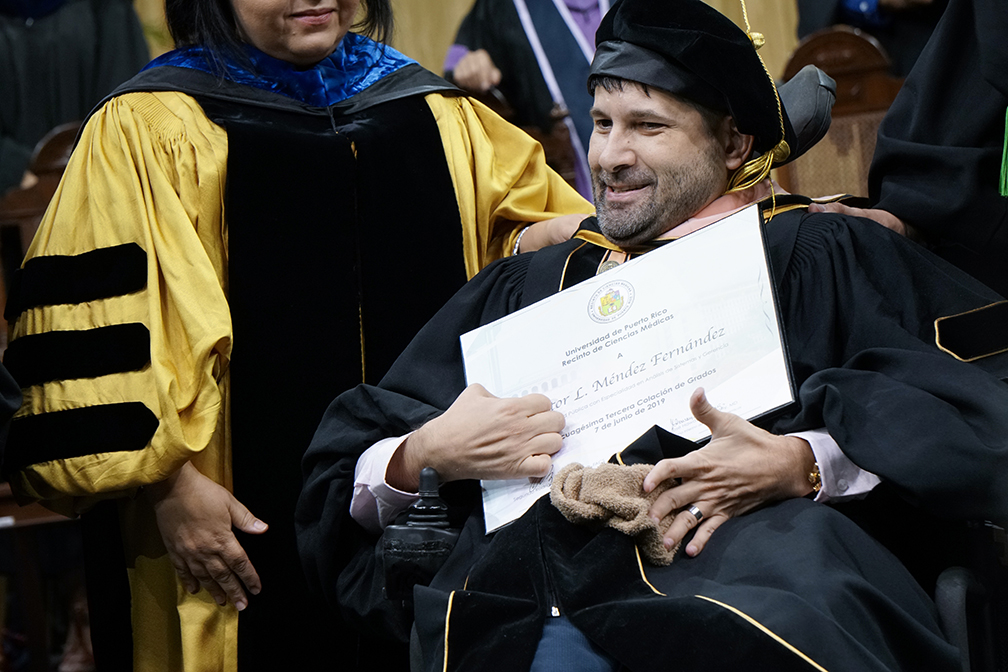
column 624, row 350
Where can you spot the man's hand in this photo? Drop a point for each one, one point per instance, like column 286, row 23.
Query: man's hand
column 742, row 467
column 481, row 436
column 195, row 517
column 886, row 219
column 476, row 72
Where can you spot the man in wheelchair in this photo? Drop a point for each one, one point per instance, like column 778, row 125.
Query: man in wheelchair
column 782, row 525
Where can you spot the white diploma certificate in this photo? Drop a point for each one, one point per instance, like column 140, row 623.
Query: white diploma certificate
column 625, row 350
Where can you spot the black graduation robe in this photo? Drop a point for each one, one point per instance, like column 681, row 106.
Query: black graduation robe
column 795, row 585
column 937, row 162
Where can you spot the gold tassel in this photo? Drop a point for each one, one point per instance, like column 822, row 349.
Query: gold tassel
column 756, row 170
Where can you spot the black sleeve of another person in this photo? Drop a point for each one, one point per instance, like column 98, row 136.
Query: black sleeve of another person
column 937, row 163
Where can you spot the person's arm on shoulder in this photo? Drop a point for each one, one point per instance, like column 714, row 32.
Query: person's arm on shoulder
column 886, row 219
column 501, row 180
column 547, row 232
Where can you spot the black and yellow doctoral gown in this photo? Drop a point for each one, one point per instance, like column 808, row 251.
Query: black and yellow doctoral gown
column 796, row 585
column 227, row 252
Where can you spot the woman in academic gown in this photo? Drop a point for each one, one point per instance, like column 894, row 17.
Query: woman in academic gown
column 257, row 222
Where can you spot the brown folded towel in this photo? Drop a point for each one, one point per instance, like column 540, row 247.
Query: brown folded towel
column 612, row 495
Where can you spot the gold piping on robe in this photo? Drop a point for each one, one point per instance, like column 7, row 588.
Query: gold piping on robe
column 765, row 630
column 447, row 617
column 640, row 566
column 563, row 276
column 360, row 322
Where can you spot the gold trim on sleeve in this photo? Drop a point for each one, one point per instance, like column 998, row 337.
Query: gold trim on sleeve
column 937, row 324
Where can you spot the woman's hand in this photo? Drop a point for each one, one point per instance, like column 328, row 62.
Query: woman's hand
column 481, row 436
column 550, row 232
column 195, row 517
column 742, row 467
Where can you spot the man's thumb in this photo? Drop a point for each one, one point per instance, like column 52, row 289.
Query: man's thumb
column 703, row 411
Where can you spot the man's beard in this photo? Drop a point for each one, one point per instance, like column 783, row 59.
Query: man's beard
column 677, row 193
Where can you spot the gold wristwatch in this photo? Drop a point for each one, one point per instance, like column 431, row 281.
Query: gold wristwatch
column 815, row 478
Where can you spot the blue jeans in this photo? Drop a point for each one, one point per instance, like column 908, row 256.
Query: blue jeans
column 564, row 647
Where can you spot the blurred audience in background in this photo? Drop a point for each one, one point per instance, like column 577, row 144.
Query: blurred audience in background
column 901, row 26
column 58, row 58
column 534, row 55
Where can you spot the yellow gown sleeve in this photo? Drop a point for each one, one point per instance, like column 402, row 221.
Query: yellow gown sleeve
column 501, row 178
column 147, row 176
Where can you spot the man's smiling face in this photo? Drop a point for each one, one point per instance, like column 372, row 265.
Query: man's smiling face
column 655, row 162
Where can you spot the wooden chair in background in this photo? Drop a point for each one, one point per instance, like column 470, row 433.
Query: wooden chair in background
column 21, row 209
column 864, row 91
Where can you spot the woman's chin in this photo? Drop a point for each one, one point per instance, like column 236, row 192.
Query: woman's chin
column 304, row 54
column 306, row 59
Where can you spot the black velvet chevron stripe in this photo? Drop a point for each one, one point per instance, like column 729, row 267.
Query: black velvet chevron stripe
column 98, row 274
column 109, row 428
column 65, row 355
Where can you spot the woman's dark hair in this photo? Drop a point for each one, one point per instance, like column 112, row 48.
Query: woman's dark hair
column 211, row 24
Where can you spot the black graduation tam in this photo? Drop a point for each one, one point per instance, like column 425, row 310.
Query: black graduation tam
column 690, row 49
